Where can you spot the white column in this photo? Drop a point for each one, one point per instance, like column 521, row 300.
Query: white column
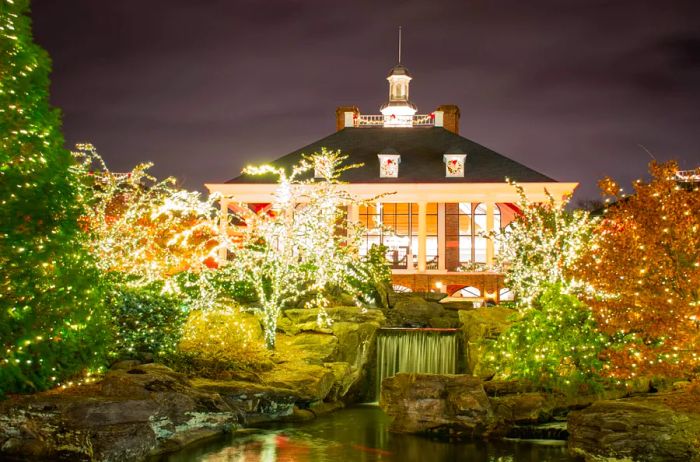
column 422, row 232
column 353, row 213
column 489, row 229
column 223, row 229
column 441, row 236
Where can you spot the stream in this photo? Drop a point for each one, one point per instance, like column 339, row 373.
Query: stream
column 358, row 433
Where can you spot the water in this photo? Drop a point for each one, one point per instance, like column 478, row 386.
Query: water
column 415, row 350
column 358, row 434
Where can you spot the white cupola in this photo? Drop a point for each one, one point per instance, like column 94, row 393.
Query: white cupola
column 398, row 111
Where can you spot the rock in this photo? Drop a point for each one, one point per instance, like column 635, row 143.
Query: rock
column 449, row 405
column 414, row 310
column 129, row 415
column 480, row 327
column 432, row 296
column 457, row 305
column 525, row 408
column 655, row 427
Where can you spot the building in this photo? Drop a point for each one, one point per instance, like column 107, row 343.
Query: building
column 445, row 192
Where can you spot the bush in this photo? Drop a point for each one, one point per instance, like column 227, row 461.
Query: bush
column 145, row 321
column 219, row 341
column 555, row 344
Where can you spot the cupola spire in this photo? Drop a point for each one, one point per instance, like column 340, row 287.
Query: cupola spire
column 399, row 111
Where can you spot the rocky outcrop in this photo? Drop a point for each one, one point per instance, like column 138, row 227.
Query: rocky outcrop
column 481, row 327
column 327, row 361
column 448, row 405
column 421, row 310
column 649, row 428
column 131, row 414
column 138, row 411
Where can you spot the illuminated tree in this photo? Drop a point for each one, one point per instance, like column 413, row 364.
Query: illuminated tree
column 145, row 229
column 643, row 273
column 554, row 343
column 541, row 246
column 50, row 302
column 299, row 250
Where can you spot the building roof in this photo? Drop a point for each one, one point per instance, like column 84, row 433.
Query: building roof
column 421, row 150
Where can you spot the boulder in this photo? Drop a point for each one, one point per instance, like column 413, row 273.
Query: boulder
column 649, row 428
column 130, row 415
column 482, row 326
column 414, row 311
column 447, row 405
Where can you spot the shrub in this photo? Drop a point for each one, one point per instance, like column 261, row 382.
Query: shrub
column 555, row 344
column 145, row 321
column 219, row 341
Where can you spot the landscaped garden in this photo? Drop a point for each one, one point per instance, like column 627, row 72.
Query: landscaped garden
column 130, row 325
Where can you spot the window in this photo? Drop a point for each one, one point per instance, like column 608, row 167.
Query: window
column 395, row 225
column 468, row 292
column 506, row 295
column 431, row 235
column 465, row 233
column 389, row 165
column 454, row 165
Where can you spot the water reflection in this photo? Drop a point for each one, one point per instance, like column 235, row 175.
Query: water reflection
column 358, row 434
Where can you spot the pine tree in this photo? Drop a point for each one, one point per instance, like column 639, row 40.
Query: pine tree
column 49, row 290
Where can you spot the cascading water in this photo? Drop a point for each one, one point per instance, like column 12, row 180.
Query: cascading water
column 428, row 351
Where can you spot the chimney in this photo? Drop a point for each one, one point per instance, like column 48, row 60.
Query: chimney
column 447, row 116
column 344, row 116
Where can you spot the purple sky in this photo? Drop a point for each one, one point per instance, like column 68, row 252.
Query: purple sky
column 571, row 88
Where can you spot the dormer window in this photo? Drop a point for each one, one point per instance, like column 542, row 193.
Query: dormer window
column 389, row 165
column 454, row 165
column 323, row 167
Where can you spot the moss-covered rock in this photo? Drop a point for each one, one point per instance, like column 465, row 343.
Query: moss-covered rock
column 649, row 428
column 482, row 326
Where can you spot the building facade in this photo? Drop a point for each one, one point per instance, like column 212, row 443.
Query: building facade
column 442, row 193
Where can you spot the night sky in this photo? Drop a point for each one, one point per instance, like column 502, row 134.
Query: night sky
column 574, row 89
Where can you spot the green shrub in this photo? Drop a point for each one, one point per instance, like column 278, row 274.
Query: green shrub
column 555, row 344
column 145, row 321
column 220, row 341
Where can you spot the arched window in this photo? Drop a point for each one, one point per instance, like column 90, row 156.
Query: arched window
column 506, row 295
column 479, row 230
column 469, row 292
column 401, row 289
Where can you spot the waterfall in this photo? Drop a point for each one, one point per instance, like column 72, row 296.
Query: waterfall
column 428, row 351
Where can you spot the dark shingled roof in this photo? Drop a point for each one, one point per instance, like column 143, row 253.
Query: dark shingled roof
column 421, row 150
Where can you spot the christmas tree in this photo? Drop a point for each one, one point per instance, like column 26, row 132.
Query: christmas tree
column 49, row 289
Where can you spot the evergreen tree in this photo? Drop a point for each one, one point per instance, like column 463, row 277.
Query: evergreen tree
column 49, row 290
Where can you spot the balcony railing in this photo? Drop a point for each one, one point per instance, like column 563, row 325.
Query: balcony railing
column 688, row 176
column 379, row 120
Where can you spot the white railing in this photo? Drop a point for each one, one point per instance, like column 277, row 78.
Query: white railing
column 379, row 120
column 688, row 176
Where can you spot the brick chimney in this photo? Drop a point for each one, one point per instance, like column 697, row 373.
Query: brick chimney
column 344, row 116
column 447, row 116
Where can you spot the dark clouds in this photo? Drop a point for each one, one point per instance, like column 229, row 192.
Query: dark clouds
column 572, row 88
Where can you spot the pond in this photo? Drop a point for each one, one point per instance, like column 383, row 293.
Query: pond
column 360, row 434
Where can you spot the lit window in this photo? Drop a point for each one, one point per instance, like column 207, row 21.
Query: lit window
column 454, row 165
column 389, row 165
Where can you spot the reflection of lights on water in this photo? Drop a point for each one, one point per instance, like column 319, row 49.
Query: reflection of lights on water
column 269, row 448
